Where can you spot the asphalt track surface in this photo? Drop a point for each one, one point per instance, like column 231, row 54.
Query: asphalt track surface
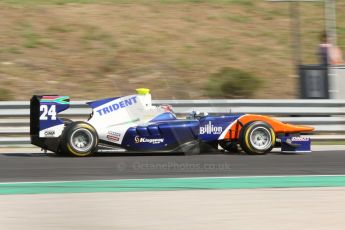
column 16, row 167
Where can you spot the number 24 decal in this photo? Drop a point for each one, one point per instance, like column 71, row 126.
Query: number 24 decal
column 48, row 111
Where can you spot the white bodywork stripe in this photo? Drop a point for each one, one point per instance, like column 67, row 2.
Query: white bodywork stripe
column 221, row 137
column 54, row 131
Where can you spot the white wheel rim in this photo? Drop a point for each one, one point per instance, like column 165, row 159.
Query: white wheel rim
column 82, row 140
column 261, row 138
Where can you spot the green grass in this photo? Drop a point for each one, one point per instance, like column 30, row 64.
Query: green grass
column 34, row 40
column 218, row 46
column 186, row 38
column 5, row 94
column 247, row 3
column 239, row 18
column 93, row 33
column 11, row 50
column 232, row 83
column 60, row 29
column 31, row 40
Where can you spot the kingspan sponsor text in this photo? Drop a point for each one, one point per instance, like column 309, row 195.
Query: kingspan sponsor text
column 138, row 139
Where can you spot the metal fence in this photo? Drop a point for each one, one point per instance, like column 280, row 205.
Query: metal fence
column 327, row 116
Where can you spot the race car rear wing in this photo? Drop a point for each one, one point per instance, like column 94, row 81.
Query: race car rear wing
column 44, row 122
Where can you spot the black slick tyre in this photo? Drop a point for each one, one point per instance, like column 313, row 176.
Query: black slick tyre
column 257, row 138
column 80, row 139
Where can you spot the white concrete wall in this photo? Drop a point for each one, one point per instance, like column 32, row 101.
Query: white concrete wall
column 337, row 82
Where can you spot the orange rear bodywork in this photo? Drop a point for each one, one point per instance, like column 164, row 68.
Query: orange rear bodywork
column 278, row 126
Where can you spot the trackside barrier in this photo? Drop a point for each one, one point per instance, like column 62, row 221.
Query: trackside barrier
column 327, row 116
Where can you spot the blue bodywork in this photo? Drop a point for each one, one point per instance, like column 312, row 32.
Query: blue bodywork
column 97, row 103
column 295, row 144
column 166, row 135
column 166, row 132
column 212, row 126
column 49, row 107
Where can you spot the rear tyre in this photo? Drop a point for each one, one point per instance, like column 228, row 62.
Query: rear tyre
column 257, row 138
column 80, row 139
column 60, row 152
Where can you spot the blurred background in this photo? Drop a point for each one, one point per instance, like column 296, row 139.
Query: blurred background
column 180, row 49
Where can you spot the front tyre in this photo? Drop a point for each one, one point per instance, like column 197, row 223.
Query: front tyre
column 257, row 138
column 80, row 140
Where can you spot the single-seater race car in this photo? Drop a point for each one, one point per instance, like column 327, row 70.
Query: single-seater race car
column 131, row 123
